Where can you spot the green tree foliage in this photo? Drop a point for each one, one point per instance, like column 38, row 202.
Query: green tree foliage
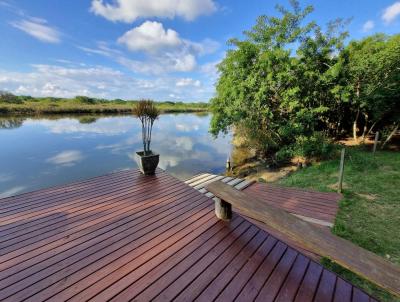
column 275, row 94
column 85, row 99
column 374, row 77
column 7, row 97
column 288, row 82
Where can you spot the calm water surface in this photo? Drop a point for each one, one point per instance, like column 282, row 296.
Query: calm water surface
column 39, row 152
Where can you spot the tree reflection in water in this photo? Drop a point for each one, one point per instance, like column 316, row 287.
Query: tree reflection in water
column 11, row 122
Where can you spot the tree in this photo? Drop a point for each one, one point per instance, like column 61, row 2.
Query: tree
column 276, row 95
column 8, row 97
column 321, row 74
column 374, row 77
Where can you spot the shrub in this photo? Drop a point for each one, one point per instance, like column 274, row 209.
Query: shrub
column 7, row 97
column 119, row 101
column 317, row 146
column 85, row 100
column 147, row 113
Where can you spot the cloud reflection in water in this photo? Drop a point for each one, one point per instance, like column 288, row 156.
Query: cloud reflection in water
column 55, row 151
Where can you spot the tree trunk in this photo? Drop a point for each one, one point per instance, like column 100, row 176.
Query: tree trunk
column 390, row 136
column 372, row 127
column 365, row 127
column 358, row 112
column 355, row 125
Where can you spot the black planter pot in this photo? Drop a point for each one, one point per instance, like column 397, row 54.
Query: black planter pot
column 147, row 163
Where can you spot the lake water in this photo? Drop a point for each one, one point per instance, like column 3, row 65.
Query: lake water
column 40, row 152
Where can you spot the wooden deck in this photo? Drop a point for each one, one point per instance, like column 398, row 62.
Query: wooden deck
column 125, row 236
column 316, row 207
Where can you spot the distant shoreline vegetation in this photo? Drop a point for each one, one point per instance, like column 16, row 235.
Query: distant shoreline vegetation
column 12, row 104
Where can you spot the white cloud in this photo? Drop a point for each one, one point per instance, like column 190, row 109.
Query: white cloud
column 186, row 62
column 39, row 29
column 102, row 49
column 58, row 81
column 369, row 25
column 130, row 10
column 158, row 65
column 102, row 82
column 186, row 127
column 184, row 143
column 161, row 64
column 11, row 192
column 66, row 158
column 166, row 51
column 391, row 12
column 168, row 161
column 96, row 51
column 103, row 126
column 124, row 145
column 188, row 82
column 163, row 50
column 150, row 37
column 207, row 46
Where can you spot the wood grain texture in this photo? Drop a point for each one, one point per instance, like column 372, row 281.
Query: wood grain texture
column 366, row 264
column 125, row 236
column 312, row 206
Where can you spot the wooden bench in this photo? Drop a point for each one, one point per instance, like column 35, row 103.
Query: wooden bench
column 320, row 240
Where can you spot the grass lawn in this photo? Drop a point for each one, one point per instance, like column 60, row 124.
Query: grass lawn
column 369, row 213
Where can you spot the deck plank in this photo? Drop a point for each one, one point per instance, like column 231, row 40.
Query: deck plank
column 316, row 207
column 124, row 236
column 84, row 239
column 229, row 271
column 211, row 272
column 160, row 276
column 271, row 288
column 83, row 211
column 21, row 198
column 294, row 278
column 255, row 284
column 366, row 264
column 141, row 276
column 97, row 247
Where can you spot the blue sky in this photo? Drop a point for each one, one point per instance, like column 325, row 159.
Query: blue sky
column 130, row 49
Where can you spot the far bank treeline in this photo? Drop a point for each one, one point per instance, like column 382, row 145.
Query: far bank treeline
column 12, row 104
column 291, row 86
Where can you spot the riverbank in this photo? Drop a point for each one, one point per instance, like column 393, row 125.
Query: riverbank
column 71, row 106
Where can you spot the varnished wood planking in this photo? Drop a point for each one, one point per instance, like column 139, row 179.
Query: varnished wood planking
column 124, row 236
column 365, row 263
column 316, row 207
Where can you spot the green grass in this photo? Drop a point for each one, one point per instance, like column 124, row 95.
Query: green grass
column 369, row 213
column 66, row 106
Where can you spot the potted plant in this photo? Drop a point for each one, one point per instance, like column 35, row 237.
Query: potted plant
column 147, row 113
